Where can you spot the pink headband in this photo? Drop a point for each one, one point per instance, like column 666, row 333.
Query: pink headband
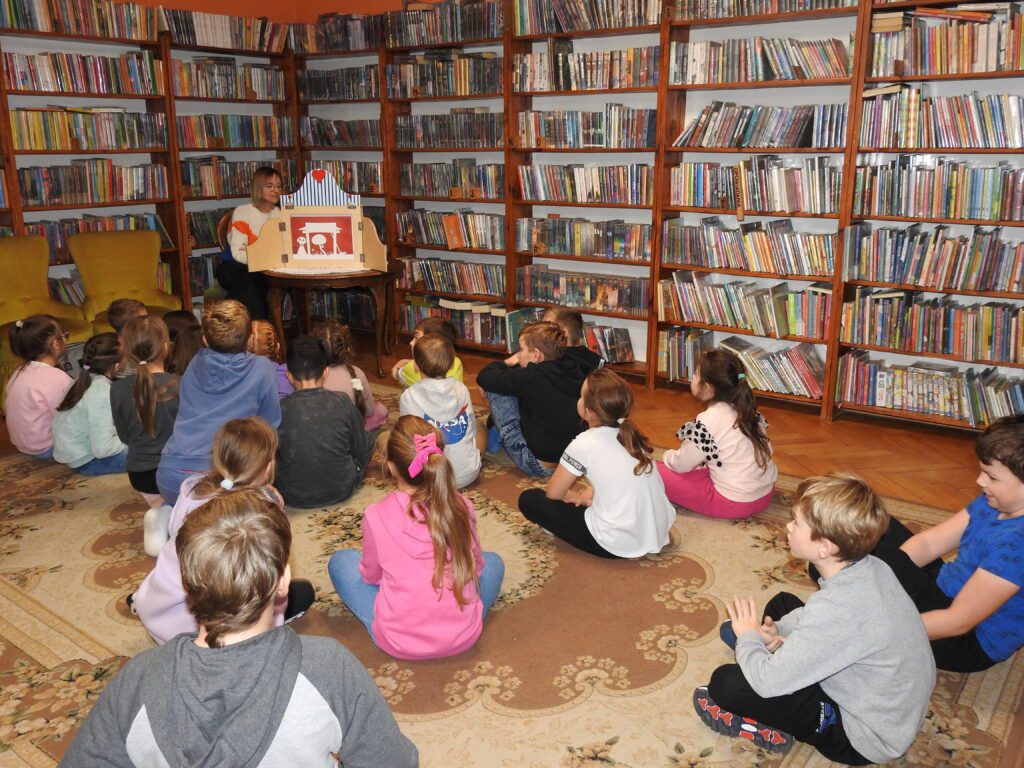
column 425, row 446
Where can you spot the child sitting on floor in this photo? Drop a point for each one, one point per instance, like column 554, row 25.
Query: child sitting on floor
column 263, row 342
column 121, row 311
column 240, row 691
column 186, row 335
column 851, row 672
column 724, row 466
column 533, row 396
column 324, row 448
column 571, row 322
column 973, row 606
column 37, row 386
column 421, row 585
column 445, row 403
column 84, row 435
column 243, row 457
column 404, row 371
column 346, row 378
column 624, row 511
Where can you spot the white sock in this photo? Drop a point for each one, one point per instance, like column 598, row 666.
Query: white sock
column 154, row 529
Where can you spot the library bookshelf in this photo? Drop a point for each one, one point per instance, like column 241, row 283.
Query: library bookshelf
column 524, row 193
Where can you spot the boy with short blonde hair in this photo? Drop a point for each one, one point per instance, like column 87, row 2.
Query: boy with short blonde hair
column 850, row 672
column 121, row 311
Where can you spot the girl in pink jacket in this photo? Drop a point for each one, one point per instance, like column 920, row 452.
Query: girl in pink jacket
column 421, row 586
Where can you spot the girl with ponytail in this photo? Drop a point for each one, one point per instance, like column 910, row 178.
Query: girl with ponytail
column 421, row 586
column 38, row 385
column 346, row 377
column 624, row 511
column 724, row 466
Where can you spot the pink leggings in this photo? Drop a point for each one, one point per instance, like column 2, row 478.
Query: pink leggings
column 694, row 491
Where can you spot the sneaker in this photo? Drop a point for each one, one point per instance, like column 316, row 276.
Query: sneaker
column 728, row 636
column 730, row 724
column 130, row 602
column 155, row 529
column 301, row 596
column 493, row 440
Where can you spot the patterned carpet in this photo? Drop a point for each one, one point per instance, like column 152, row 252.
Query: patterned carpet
column 582, row 663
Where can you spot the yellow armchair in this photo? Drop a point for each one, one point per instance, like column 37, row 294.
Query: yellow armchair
column 119, row 265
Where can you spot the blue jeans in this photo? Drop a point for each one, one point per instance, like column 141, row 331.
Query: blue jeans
column 169, row 481
column 505, row 415
column 360, row 597
column 108, row 465
column 46, row 455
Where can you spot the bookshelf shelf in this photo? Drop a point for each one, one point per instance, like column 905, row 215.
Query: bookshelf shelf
column 629, row 369
column 582, row 310
column 685, row 384
column 212, row 100
column 567, row 204
column 942, row 151
column 952, row 291
column 761, row 84
column 587, row 150
column 744, row 272
column 905, row 4
column 456, row 97
column 449, row 295
column 763, row 18
column 84, row 95
column 131, row 151
column 758, row 150
column 411, row 150
column 463, row 200
column 584, row 33
column 99, row 40
column 935, row 220
column 938, row 355
column 230, row 51
column 893, row 413
column 669, row 324
column 202, row 198
column 429, row 247
column 216, row 150
column 591, row 91
column 943, row 77
column 355, row 148
column 338, row 54
column 480, row 41
column 586, row 259
column 83, row 205
column 330, row 102
column 733, row 212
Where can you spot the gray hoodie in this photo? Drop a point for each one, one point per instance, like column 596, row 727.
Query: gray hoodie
column 274, row 700
column 445, row 403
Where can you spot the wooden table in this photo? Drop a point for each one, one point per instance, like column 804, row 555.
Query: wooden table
column 379, row 284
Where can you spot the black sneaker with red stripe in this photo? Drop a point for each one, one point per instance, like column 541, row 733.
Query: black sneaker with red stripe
column 730, row 724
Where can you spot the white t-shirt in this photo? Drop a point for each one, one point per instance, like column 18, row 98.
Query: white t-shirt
column 630, row 515
column 246, row 223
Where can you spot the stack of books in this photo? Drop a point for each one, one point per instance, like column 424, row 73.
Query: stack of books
column 345, row 84
column 460, row 178
column 439, row 73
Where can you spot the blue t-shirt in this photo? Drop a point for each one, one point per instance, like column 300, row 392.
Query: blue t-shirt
column 997, row 546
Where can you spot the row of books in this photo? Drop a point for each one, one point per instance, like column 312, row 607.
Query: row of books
column 337, row 32
column 435, row 74
column 347, row 83
column 479, row 322
column 452, row 276
column 377, row 215
column 720, row 9
column 164, row 280
column 69, row 289
column 215, row 30
column 560, row 69
column 907, row 321
column 96, row 180
column 202, row 227
column 460, row 178
column 615, row 240
column 536, row 17
column 776, row 311
column 445, row 22
column 99, row 18
column 725, row 124
column 935, row 258
column 617, row 184
column 898, row 117
column 57, row 231
column 134, row 72
column 583, row 290
column 84, row 128
column 938, row 187
column 216, row 176
column 213, row 131
column 357, row 177
column 463, row 228
column 762, row 183
column 322, row 132
column 758, row 59
column 219, row 77
column 202, row 272
column 612, row 344
column 933, row 388
column 772, row 247
column 618, row 126
column 463, row 127
column 353, row 307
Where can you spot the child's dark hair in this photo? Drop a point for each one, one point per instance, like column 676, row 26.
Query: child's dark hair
column 337, row 341
column 1003, row 441
column 144, row 342
column 307, row 358
column 611, row 400
column 723, row 372
column 437, row 326
column 186, row 335
column 178, row 320
column 550, row 338
column 100, row 355
column 33, row 337
column 434, row 355
column 570, row 320
column 121, row 311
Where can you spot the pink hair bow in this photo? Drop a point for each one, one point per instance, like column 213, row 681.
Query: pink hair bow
column 425, row 446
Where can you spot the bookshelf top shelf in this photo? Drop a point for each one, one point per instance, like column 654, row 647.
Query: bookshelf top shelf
column 85, row 95
column 946, row 77
column 928, row 289
column 448, row 44
column 767, row 18
column 121, row 41
column 760, row 84
column 230, row 51
column 600, row 32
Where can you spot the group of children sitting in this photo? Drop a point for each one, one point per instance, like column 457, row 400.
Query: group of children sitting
column 850, row 672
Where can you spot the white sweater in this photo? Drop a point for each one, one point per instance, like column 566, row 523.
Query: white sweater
column 445, row 403
column 246, row 223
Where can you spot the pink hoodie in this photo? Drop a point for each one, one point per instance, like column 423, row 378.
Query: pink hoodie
column 410, row 620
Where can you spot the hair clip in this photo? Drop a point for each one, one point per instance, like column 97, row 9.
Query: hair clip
column 740, row 376
column 425, row 446
column 620, row 420
column 227, row 483
column 143, row 362
column 357, row 385
column 18, row 323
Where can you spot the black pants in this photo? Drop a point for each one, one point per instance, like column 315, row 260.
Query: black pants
column 962, row 653
column 250, row 288
column 809, row 715
column 564, row 520
column 144, row 482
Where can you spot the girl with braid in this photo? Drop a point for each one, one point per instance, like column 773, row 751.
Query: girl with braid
column 344, row 376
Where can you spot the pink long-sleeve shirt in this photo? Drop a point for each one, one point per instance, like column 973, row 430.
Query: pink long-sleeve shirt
column 410, row 620
column 33, row 394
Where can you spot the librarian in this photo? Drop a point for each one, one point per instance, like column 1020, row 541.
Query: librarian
column 248, row 219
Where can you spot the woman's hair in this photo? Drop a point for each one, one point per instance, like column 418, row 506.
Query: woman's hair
column 609, row 397
column 32, row 337
column 260, row 177
column 264, row 340
column 550, row 338
column 434, row 356
column 233, row 552
column 226, row 326
column 100, row 355
column 723, row 372
column 444, row 511
column 242, row 451
column 337, row 341
column 144, row 341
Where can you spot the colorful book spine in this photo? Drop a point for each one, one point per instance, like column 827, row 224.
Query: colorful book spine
column 562, row 69
column 612, row 240
column 321, row 132
column 454, row 230
column 217, row 78
column 96, row 180
column 132, row 73
column 337, row 32
column 616, row 127
column 447, row 22
column 87, row 129
column 215, row 30
column 448, row 276
column 460, row 128
column 759, row 59
column 536, row 17
column 460, row 179
column 213, row 176
column 202, row 227
column 436, row 74
column 723, row 124
column 99, row 18
column 722, row 9
column 345, row 84
column 357, row 177
column 583, row 290
column 479, row 322
column 57, row 232
column 614, row 184
column 234, row 131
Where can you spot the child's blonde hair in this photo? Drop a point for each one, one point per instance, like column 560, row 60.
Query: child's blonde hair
column 609, row 397
column 434, row 356
column 226, row 326
column 570, row 321
column 263, row 340
column 443, row 509
column 242, row 451
column 842, row 508
column 550, row 338
column 145, row 341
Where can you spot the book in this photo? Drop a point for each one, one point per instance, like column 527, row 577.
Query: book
column 518, row 319
column 133, row 72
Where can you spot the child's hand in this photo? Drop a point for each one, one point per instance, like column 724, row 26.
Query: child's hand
column 743, row 612
column 582, row 497
column 770, row 634
column 512, row 361
column 398, row 367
